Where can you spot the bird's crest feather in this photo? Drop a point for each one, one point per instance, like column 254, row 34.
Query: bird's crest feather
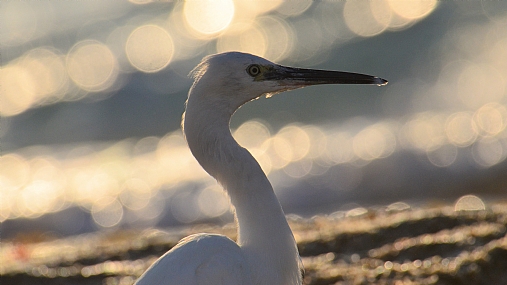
column 200, row 69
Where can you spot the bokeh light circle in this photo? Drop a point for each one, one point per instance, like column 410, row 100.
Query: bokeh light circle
column 469, row 203
column 361, row 20
column 251, row 134
column 461, row 129
column 208, row 17
column 479, row 84
column 488, row 152
column 14, row 172
column 213, row 202
column 149, row 48
column 48, row 72
column 107, row 213
column 38, row 77
column 491, row 119
column 413, row 9
column 92, row 66
column 15, row 96
column 184, row 207
column 243, row 37
column 374, row 142
column 443, row 156
column 279, row 37
column 298, row 143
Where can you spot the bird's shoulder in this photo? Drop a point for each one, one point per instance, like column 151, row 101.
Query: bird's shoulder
column 200, row 259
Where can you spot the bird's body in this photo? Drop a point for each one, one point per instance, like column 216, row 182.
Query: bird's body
column 211, row 255
column 265, row 252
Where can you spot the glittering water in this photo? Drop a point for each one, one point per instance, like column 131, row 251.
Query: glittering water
column 137, row 182
column 437, row 131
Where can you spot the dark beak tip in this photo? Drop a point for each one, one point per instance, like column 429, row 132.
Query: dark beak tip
column 381, row 81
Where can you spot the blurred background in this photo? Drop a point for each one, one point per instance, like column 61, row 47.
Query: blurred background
column 92, row 94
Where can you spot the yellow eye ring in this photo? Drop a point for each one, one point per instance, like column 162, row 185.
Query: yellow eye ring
column 253, row 70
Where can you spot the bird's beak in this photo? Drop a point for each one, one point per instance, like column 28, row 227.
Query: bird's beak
column 303, row 77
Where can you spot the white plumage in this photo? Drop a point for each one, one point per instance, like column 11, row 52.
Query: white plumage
column 265, row 252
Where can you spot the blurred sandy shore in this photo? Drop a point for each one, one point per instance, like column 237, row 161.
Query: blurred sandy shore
column 383, row 246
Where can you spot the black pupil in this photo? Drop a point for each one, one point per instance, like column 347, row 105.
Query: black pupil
column 254, row 70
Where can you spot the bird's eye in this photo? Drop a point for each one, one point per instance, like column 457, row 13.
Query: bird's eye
column 253, row 70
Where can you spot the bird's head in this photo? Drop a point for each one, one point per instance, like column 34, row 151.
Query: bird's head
column 240, row 77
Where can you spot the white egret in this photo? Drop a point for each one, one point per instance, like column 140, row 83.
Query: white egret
column 265, row 252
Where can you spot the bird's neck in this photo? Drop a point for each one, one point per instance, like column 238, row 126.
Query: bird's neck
column 262, row 227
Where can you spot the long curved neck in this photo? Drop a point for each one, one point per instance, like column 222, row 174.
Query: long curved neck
column 206, row 127
column 262, row 227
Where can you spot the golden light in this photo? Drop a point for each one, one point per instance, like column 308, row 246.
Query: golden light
column 309, row 38
column 184, row 207
column 188, row 41
column 14, row 172
column 279, row 37
column 361, row 20
column 92, row 66
column 480, row 84
column 385, row 15
column 374, row 142
column 278, row 152
column 140, row 2
column 243, row 37
column 136, row 194
column 488, row 152
column 491, row 119
column 397, row 207
column 40, row 197
column 443, row 156
column 136, row 175
column 86, row 182
column 283, row 150
column 207, row 16
column 15, row 96
column 469, row 203
column 45, row 167
column 149, row 48
column 263, row 158
column 107, row 212
column 146, row 145
column 155, row 210
column 461, row 129
column 212, row 201
column 497, row 55
column 298, row 169
column 38, row 77
column 381, row 12
column 398, row 22
column 143, row 168
column 413, row 9
column 340, row 147
column 175, row 161
column 318, row 141
column 48, row 74
column 333, row 27
column 6, row 204
column 425, row 132
column 298, row 140
column 251, row 134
